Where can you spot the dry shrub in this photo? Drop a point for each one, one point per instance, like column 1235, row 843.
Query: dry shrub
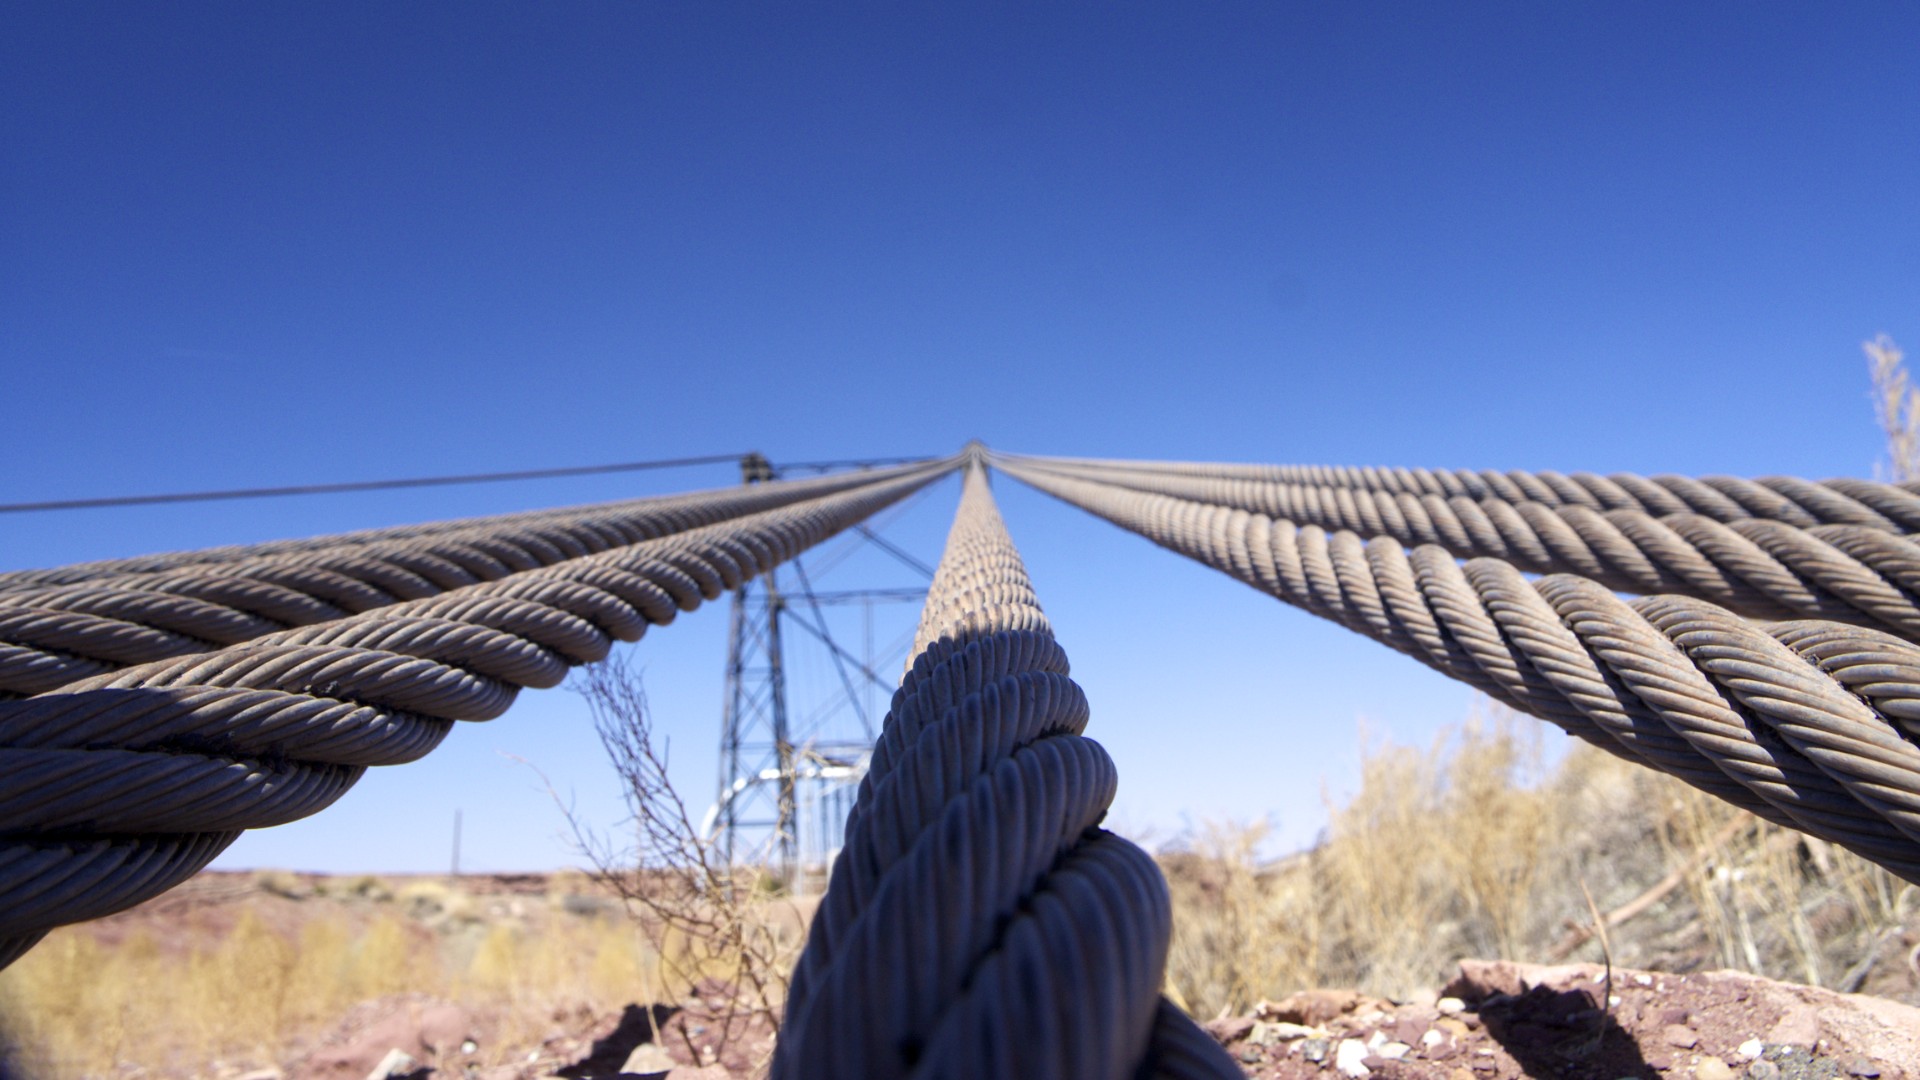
column 1240, row 929
column 1896, row 405
column 1438, row 855
column 529, row 976
column 1471, row 848
column 722, row 939
column 1776, row 902
column 385, row 961
column 79, row 1006
column 242, row 986
column 67, row 1004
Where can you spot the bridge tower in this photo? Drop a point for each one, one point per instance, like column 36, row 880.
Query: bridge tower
column 793, row 751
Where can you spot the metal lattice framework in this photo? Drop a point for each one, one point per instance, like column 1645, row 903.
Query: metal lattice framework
column 978, row 921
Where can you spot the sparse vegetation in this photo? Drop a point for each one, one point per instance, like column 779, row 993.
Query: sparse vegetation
column 720, row 934
column 1896, row 405
column 90, row 1001
column 1471, row 849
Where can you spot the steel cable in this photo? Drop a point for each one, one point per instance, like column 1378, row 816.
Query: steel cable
column 116, row 787
column 357, row 538
column 978, row 922
column 1754, row 566
column 71, row 623
column 361, row 485
column 1809, row 724
column 1839, row 501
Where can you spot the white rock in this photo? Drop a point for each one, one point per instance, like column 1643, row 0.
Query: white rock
column 1450, row 1006
column 1347, row 1058
column 1711, row 1068
column 397, row 1063
column 1392, row 1051
column 1643, row 980
column 1752, row 1048
column 647, row 1058
column 1432, row 1038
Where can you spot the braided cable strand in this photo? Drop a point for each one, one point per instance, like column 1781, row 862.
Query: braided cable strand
column 1755, row 566
column 1839, row 501
column 117, row 787
column 978, row 922
column 1808, row 724
column 71, row 623
column 587, row 513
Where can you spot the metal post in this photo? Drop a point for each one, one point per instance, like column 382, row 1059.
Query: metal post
column 732, row 718
column 784, row 838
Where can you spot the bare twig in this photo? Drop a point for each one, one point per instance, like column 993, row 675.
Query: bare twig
column 712, row 938
column 1579, row 934
column 1896, row 404
column 1606, row 947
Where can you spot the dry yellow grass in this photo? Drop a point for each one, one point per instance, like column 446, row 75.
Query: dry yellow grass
column 1441, row 844
column 76, row 1007
column 1469, row 849
column 84, row 1005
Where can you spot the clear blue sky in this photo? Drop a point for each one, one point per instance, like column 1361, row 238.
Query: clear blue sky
column 253, row 244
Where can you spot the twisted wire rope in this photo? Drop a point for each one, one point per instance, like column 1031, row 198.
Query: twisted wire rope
column 978, row 922
column 1838, row 501
column 1761, row 567
column 1807, row 723
column 170, row 560
column 60, row 625
column 117, row 787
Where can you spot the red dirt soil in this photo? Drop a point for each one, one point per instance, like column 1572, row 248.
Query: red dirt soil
column 1501, row 1020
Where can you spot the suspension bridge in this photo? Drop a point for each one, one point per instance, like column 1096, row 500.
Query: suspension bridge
column 1753, row 638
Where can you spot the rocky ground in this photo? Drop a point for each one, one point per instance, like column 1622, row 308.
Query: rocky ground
column 424, row 1039
column 1495, row 1021
column 1500, row 1020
